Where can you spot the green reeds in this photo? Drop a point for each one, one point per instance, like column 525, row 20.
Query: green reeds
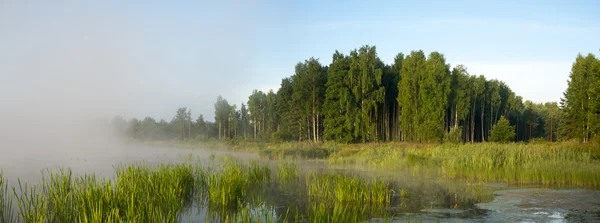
column 287, row 171
column 6, row 211
column 560, row 164
column 342, row 188
column 338, row 212
column 139, row 193
column 258, row 213
column 230, row 187
column 162, row 193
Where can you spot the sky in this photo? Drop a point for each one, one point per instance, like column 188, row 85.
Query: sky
column 64, row 60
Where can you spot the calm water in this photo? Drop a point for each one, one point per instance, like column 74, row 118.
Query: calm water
column 419, row 198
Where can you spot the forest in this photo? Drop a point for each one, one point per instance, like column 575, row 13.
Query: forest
column 418, row 98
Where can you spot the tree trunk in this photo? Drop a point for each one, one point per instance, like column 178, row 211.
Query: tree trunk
column 254, row 122
column 482, row 122
column 219, row 129
column 308, row 128
column 551, row 128
column 314, row 120
column 517, row 129
column 300, row 131
column 473, row 122
column 456, row 116
column 318, row 140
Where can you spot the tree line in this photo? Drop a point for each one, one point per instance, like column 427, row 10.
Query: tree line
column 418, row 98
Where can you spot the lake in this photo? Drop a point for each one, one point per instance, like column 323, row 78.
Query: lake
column 415, row 197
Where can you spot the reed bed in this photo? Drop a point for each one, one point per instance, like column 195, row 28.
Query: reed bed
column 139, row 193
column 6, row 212
column 560, row 164
column 342, row 188
column 164, row 193
column 228, row 188
column 287, row 171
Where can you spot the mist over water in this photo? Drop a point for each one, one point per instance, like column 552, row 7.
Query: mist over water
column 66, row 69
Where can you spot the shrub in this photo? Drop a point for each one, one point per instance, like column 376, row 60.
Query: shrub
column 502, row 132
column 454, row 136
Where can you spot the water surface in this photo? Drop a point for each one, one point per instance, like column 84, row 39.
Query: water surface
column 416, row 197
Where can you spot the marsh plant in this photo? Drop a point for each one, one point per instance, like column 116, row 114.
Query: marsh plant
column 227, row 191
column 229, row 187
column 287, row 171
column 6, row 212
column 139, row 193
column 560, row 164
column 347, row 189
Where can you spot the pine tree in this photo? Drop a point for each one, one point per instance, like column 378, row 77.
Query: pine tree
column 502, row 132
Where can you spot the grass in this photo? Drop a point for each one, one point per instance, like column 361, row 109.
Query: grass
column 342, row 188
column 140, row 193
column 559, row 164
column 562, row 164
column 325, row 213
column 6, row 212
column 228, row 188
column 287, row 171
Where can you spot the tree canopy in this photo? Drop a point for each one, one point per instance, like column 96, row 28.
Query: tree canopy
column 416, row 98
column 502, row 131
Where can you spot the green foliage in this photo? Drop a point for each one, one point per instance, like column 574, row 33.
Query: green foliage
column 6, row 212
column 561, row 164
column 138, row 194
column 580, row 101
column 287, row 171
column 340, row 188
column 358, row 98
column 454, row 136
column 339, row 107
column 502, row 132
column 229, row 188
column 425, row 87
column 295, row 151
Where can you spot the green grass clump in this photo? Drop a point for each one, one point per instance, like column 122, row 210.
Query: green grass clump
column 167, row 187
column 6, row 212
column 287, row 171
column 259, row 213
column 139, row 193
column 289, row 150
column 229, row 188
column 347, row 189
column 338, row 212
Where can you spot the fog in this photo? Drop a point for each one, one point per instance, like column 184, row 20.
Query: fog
column 67, row 68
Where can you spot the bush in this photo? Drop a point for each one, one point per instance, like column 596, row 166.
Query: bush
column 502, row 132
column 454, row 136
column 538, row 140
column 280, row 136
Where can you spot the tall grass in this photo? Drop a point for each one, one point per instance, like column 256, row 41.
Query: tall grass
column 139, row 193
column 163, row 193
column 289, row 150
column 249, row 213
column 6, row 212
column 342, row 188
column 229, row 188
column 560, row 164
column 287, row 171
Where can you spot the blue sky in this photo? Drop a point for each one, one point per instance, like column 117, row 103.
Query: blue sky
column 146, row 58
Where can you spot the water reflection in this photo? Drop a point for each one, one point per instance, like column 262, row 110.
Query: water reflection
column 413, row 196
